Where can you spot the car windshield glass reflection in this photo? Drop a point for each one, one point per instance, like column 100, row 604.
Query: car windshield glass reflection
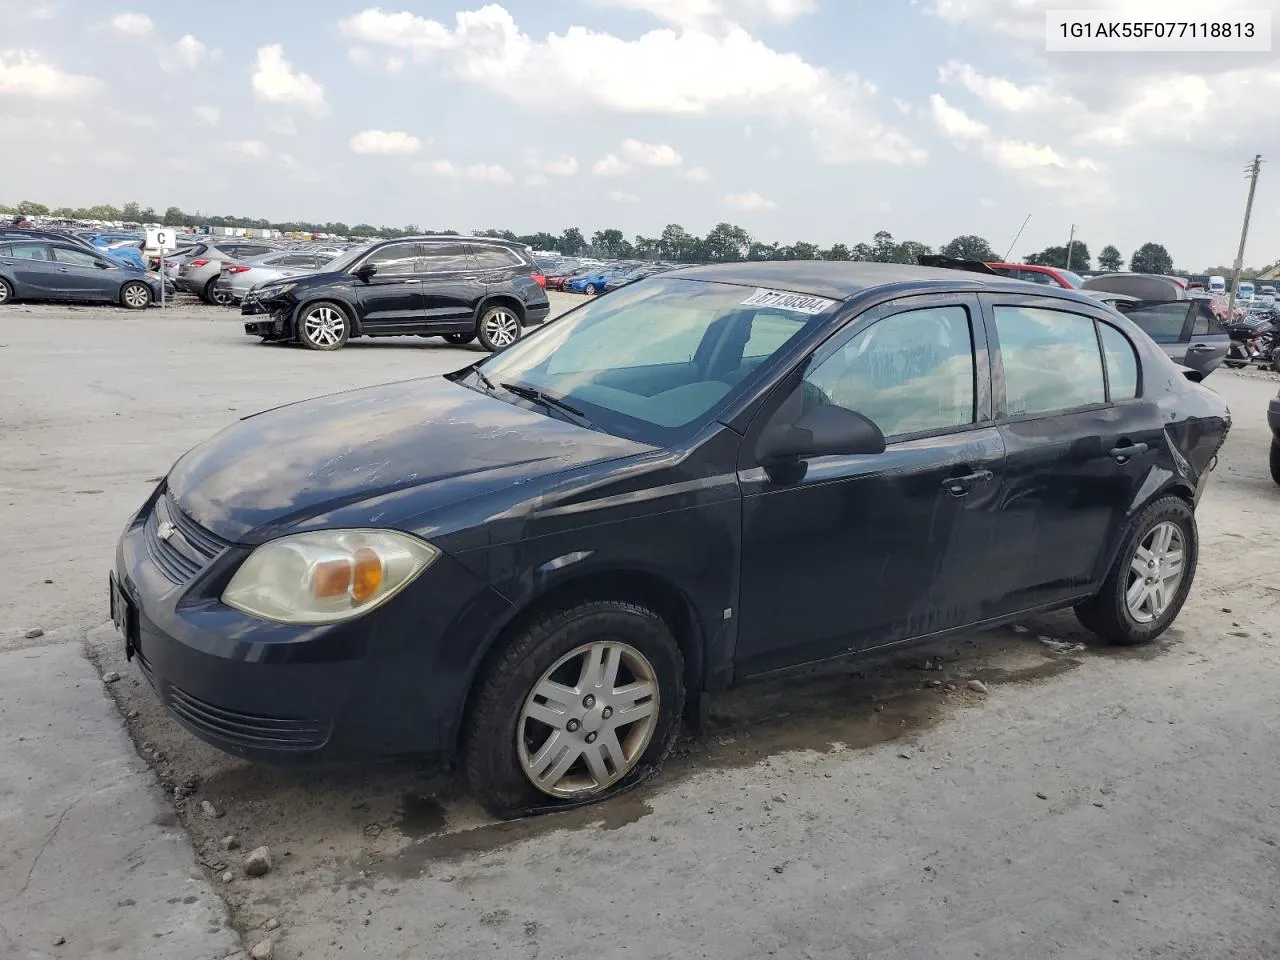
column 654, row 360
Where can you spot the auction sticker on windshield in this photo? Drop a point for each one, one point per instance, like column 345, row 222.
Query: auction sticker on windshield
column 782, row 300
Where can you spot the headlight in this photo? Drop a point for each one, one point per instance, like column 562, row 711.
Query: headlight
column 275, row 289
column 326, row 576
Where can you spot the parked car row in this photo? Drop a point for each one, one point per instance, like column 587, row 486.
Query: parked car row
column 592, row 277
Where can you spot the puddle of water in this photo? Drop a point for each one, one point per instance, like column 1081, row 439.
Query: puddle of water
column 421, row 816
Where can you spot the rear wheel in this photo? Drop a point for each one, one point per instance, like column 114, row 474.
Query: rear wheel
column 1275, row 460
column 499, row 327
column 585, row 702
column 219, row 298
column 459, row 339
column 135, row 296
column 323, row 326
column 6, row 292
column 1152, row 576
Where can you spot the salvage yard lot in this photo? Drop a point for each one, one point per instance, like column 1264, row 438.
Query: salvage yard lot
column 1090, row 803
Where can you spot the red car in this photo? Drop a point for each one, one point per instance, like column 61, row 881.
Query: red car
column 1051, row 276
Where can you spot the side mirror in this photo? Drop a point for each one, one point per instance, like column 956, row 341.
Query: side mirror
column 366, row 271
column 826, row 430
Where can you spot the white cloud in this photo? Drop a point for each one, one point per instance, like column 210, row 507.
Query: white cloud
column 650, row 154
column 698, row 174
column 489, row 173
column 1004, row 94
column 209, row 116
column 133, row 24
column 903, row 106
column 748, row 202
column 436, row 168
column 187, row 52
column 692, row 13
column 275, row 81
column 561, row 166
column 385, row 142
column 954, row 122
column 609, row 166
column 691, row 73
column 249, row 149
column 25, row 73
column 621, row 196
column 536, row 180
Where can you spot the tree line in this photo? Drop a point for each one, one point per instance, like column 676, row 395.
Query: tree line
column 724, row 243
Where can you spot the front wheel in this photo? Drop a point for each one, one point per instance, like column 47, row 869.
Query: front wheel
column 499, row 327
column 323, row 326
column 1154, row 570
column 135, row 296
column 590, row 290
column 1275, row 460
column 584, row 703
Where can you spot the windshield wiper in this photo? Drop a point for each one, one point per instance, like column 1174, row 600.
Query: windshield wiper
column 485, row 381
column 547, row 400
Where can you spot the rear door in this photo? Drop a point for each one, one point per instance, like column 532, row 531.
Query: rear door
column 452, row 286
column 34, row 272
column 1209, row 341
column 391, row 299
column 1167, row 322
column 1080, row 438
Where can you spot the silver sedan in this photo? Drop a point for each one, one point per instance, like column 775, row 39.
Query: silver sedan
column 238, row 278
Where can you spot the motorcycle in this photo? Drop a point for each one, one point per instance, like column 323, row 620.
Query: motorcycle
column 1255, row 341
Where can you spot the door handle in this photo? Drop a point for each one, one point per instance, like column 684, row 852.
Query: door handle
column 1125, row 451
column 959, row 486
column 412, row 281
column 1202, row 347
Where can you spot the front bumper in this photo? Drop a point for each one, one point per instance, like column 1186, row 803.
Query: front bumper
column 384, row 684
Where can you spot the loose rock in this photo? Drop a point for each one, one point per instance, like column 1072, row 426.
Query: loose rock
column 272, row 924
column 258, row 862
column 110, row 677
column 229, row 842
column 1041, row 795
column 34, row 632
column 59, row 941
column 210, row 811
column 904, row 754
column 264, row 950
column 228, row 877
column 977, row 686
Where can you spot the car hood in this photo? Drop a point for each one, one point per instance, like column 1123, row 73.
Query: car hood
column 413, row 446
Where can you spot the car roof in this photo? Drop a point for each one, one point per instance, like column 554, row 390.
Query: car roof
column 835, row 279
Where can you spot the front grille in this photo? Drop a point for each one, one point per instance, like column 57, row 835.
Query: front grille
column 247, row 729
column 188, row 549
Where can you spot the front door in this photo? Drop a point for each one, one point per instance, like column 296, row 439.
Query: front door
column 451, row 287
column 843, row 553
column 82, row 276
column 1078, row 441
column 391, row 299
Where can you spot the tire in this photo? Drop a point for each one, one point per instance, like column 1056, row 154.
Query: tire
column 1275, row 460
column 589, row 290
column 323, row 326
column 212, row 296
column 6, row 293
column 1109, row 614
column 501, row 739
column 135, row 295
column 499, row 327
column 459, row 339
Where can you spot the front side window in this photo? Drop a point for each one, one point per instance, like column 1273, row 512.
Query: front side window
column 908, row 373
column 77, row 257
column 395, row 260
column 657, row 358
column 1051, row 360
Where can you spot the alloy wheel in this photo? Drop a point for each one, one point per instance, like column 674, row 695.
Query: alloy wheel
column 136, row 296
column 324, row 326
column 220, row 298
column 588, row 720
column 502, row 328
column 4, row 292
column 1155, row 572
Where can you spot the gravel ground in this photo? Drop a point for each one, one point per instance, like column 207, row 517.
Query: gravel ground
column 1089, row 803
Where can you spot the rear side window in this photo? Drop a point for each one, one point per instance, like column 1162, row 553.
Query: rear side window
column 1122, row 363
column 446, row 258
column 1162, row 322
column 29, row 251
column 492, row 258
column 1206, row 324
column 1051, row 360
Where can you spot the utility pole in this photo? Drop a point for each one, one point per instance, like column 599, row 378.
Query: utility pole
column 1071, row 243
column 1015, row 239
column 1252, row 170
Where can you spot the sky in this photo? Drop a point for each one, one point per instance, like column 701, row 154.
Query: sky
column 816, row 120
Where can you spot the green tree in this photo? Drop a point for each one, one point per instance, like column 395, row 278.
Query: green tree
column 801, row 250
column 1110, row 260
column 571, row 242
column 883, row 247
column 1151, row 258
column 837, row 251
column 1057, row 257
column 29, row 208
column 174, row 217
column 862, row 252
column 539, row 241
column 676, row 243
column 611, row 243
column 101, row 211
column 726, row 243
column 969, row 247
column 646, row 247
column 7, row 210
column 909, row 251
column 762, row 251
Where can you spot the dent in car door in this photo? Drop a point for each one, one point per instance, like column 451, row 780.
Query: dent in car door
column 1078, row 443
column 851, row 552
column 392, row 297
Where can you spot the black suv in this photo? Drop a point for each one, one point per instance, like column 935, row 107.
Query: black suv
column 459, row 288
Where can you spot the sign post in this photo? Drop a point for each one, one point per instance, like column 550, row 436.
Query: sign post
column 163, row 241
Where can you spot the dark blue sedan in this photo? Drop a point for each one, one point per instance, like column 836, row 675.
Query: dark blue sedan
column 538, row 563
column 49, row 270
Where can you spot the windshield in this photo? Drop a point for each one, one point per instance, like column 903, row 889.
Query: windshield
column 344, row 261
column 1076, row 281
column 656, row 359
